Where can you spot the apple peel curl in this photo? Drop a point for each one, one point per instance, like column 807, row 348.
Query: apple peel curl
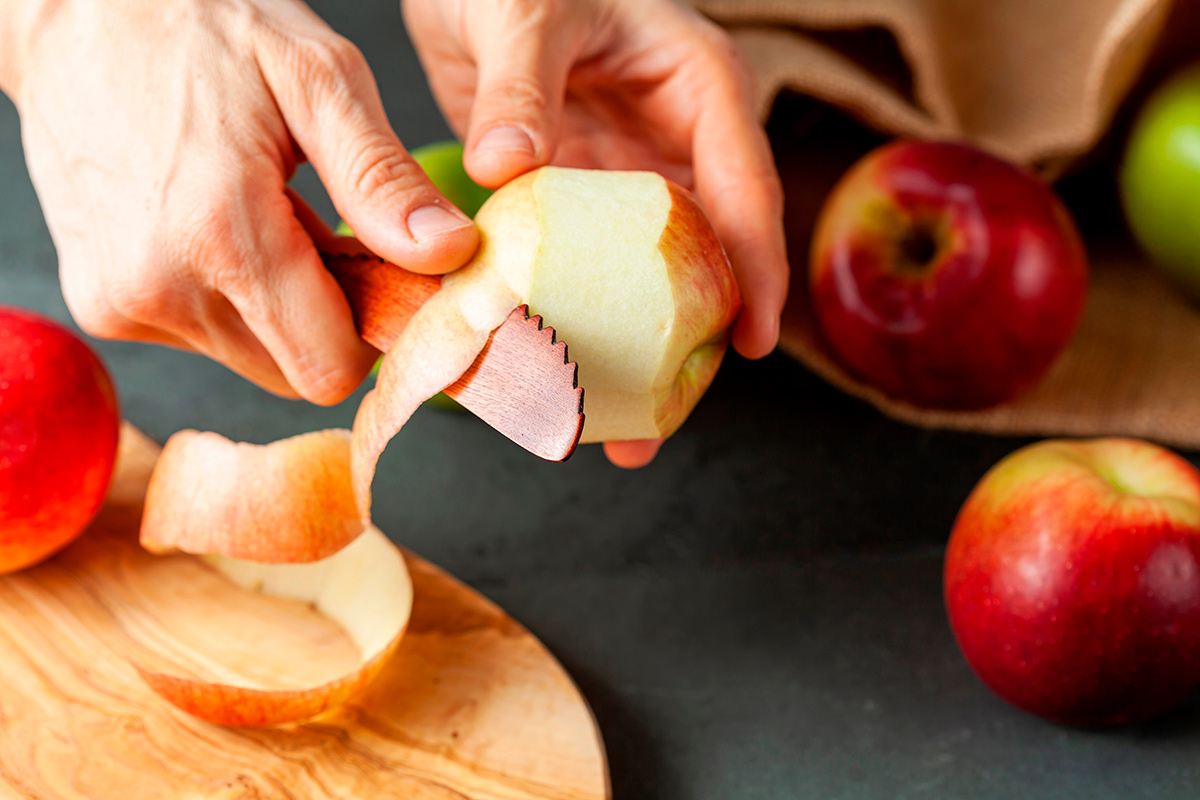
column 437, row 346
column 296, row 499
column 288, row 501
column 365, row 587
column 302, row 498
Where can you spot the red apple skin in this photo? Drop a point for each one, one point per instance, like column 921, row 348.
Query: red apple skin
column 707, row 300
column 1072, row 580
column 981, row 315
column 59, row 426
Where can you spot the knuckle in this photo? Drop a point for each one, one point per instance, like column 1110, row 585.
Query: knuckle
column 324, row 383
column 139, row 296
column 96, row 317
column 531, row 12
column 100, row 324
column 208, row 247
column 84, row 292
column 758, row 192
column 722, row 55
column 772, row 187
column 523, row 93
column 734, row 57
column 717, row 41
column 378, row 166
column 331, row 60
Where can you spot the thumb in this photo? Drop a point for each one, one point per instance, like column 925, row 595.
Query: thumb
column 332, row 108
column 522, row 64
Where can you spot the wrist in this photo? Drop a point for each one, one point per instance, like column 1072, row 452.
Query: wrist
column 17, row 18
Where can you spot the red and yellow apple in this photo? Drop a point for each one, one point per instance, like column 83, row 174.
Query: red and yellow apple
column 945, row 276
column 628, row 270
column 624, row 266
column 59, row 427
column 1072, row 580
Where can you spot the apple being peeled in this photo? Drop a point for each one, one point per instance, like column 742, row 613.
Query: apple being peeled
column 58, row 437
column 944, row 276
column 1072, row 580
column 628, row 270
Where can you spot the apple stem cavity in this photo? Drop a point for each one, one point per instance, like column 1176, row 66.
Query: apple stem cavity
column 919, row 247
column 945, row 277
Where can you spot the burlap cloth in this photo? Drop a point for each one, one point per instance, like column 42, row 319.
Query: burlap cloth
column 1046, row 83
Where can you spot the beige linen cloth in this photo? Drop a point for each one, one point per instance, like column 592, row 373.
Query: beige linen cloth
column 1036, row 81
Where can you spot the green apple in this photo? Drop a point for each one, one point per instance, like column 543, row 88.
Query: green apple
column 443, row 163
column 1160, row 178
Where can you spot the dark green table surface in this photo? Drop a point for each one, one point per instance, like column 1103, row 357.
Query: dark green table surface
column 756, row 615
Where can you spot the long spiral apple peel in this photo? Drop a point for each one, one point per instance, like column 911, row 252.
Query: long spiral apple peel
column 202, row 503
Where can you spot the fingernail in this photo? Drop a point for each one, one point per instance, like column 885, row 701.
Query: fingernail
column 507, row 139
column 433, row 220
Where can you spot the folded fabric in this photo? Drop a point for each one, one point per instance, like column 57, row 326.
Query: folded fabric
column 1034, row 81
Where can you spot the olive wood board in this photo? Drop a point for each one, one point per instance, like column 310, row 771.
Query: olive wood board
column 472, row 706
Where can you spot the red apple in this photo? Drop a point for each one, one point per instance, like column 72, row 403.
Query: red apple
column 945, row 276
column 58, row 437
column 1072, row 580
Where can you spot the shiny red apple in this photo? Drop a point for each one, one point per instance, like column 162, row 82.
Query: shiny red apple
column 945, row 276
column 58, row 437
column 1072, row 580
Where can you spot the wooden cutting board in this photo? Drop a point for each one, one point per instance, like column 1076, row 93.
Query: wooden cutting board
column 472, row 706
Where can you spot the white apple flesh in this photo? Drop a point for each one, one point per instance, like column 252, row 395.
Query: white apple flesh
column 627, row 269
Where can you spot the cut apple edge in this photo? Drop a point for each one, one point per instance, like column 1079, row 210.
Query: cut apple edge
column 683, row 393
column 365, row 587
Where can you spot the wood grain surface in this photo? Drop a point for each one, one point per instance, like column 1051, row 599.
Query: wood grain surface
column 472, row 706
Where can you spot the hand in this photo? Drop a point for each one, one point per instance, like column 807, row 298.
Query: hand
column 616, row 84
column 160, row 135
